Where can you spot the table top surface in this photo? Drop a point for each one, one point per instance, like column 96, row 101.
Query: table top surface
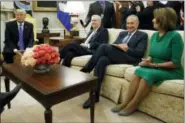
column 57, row 79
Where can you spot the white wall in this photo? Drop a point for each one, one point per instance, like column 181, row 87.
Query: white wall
column 8, row 5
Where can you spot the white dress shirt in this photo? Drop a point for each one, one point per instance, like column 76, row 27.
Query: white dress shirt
column 86, row 44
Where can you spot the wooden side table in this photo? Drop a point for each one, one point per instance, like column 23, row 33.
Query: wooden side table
column 61, row 42
column 45, row 36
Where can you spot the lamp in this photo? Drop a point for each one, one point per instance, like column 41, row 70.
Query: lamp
column 74, row 8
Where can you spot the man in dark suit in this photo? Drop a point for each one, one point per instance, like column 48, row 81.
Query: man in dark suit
column 176, row 5
column 104, row 9
column 128, row 48
column 18, row 35
column 126, row 11
column 5, row 98
column 95, row 38
column 146, row 16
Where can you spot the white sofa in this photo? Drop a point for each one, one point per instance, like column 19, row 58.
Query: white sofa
column 165, row 102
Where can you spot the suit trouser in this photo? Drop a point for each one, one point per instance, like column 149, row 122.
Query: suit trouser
column 1, row 108
column 106, row 54
column 72, row 50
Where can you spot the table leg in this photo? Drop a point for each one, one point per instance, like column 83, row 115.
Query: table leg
column 92, row 100
column 48, row 115
column 7, row 87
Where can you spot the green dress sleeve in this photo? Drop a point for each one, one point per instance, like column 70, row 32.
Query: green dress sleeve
column 177, row 49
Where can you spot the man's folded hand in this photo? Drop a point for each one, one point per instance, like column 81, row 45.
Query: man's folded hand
column 123, row 47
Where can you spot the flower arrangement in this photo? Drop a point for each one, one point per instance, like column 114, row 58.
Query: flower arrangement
column 40, row 54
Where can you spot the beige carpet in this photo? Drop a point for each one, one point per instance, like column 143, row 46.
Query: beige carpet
column 25, row 109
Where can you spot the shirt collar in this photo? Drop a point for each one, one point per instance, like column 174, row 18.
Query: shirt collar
column 94, row 30
column 132, row 33
column 19, row 24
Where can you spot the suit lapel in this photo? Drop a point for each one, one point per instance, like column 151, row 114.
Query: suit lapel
column 95, row 35
column 106, row 6
column 133, row 38
column 25, row 30
column 122, row 37
column 16, row 29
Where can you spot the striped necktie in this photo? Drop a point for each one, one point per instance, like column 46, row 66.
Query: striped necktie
column 21, row 42
column 102, row 3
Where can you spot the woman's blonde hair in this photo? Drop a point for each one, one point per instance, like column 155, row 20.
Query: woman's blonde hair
column 166, row 18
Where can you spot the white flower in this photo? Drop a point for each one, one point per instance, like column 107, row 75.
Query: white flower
column 27, row 58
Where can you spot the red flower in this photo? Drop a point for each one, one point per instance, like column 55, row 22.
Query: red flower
column 45, row 54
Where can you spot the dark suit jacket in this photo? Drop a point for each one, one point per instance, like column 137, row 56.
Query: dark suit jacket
column 176, row 5
column 100, row 37
column 109, row 19
column 12, row 36
column 137, row 43
column 125, row 12
column 146, row 17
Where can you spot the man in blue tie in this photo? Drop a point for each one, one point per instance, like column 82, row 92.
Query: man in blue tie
column 128, row 48
column 18, row 35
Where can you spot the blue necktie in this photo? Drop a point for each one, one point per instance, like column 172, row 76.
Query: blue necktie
column 102, row 3
column 21, row 43
column 126, row 39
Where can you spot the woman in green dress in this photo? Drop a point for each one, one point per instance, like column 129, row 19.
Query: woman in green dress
column 163, row 62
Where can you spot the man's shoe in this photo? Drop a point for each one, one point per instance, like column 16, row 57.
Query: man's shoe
column 84, row 70
column 8, row 96
column 87, row 103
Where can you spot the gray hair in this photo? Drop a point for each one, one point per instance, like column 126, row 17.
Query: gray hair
column 20, row 11
column 133, row 16
column 97, row 17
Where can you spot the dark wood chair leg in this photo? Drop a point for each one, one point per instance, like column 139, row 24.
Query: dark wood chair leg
column 7, row 87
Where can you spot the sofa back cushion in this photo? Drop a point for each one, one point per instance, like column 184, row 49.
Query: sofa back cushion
column 113, row 34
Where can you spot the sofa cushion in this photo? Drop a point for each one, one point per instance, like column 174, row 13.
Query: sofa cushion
column 81, row 60
column 113, row 34
column 129, row 72
column 117, row 70
column 169, row 87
